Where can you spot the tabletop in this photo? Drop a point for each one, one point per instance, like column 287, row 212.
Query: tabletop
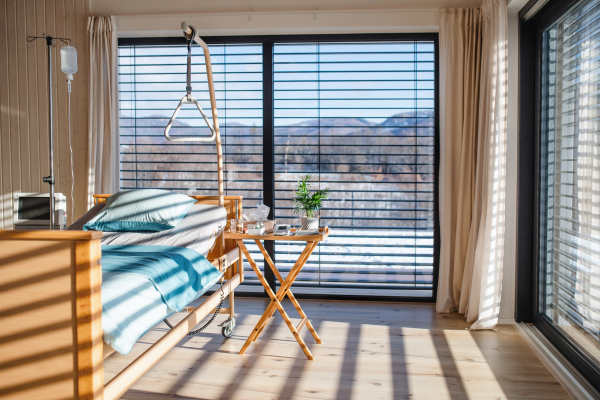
column 323, row 233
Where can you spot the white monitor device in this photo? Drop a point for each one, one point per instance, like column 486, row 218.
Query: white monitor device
column 32, row 211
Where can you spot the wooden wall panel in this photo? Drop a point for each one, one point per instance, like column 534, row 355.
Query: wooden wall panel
column 61, row 147
column 42, row 98
column 22, row 93
column 32, row 101
column 5, row 185
column 80, row 107
column 13, row 96
column 24, row 136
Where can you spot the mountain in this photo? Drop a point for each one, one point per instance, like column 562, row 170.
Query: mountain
column 401, row 124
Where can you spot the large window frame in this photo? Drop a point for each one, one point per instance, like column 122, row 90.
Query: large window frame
column 531, row 183
column 268, row 42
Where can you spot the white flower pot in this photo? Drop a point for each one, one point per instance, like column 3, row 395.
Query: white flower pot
column 310, row 223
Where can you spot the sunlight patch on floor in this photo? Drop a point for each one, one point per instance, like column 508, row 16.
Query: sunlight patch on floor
column 477, row 377
column 404, row 352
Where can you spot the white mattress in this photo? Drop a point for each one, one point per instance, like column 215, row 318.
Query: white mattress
column 196, row 231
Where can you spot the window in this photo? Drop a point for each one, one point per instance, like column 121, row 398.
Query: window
column 360, row 118
column 359, row 115
column 152, row 81
column 570, row 193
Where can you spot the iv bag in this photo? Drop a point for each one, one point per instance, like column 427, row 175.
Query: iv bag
column 68, row 60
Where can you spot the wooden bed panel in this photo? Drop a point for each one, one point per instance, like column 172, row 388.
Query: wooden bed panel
column 36, row 343
column 39, row 334
column 88, row 310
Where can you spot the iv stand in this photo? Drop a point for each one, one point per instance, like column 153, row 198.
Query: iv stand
column 50, row 179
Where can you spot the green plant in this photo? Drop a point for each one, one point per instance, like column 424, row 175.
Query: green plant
column 306, row 202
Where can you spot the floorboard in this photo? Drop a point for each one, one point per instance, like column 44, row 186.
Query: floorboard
column 370, row 350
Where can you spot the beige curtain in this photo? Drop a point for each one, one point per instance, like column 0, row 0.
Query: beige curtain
column 460, row 65
column 472, row 161
column 103, row 129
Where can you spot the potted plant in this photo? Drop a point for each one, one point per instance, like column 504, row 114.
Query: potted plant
column 308, row 203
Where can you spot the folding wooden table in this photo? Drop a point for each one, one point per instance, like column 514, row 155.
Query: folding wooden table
column 284, row 290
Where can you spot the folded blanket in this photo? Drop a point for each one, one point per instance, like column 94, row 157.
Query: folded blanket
column 177, row 275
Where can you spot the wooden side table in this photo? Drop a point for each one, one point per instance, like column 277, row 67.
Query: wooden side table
column 284, row 290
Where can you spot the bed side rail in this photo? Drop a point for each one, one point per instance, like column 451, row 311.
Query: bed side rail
column 226, row 260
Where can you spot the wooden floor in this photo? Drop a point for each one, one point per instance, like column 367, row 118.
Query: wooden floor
column 370, row 351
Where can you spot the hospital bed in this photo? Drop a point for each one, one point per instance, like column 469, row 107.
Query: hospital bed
column 51, row 329
column 131, row 303
column 51, row 303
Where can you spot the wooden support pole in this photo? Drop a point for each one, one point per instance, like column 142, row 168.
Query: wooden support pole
column 289, row 293
column 280, row 293
column 310, row 247
column 275, row 302
column 301, row 324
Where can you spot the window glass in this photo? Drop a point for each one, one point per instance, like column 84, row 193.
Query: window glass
column 360, row 118
column 570, row 176
column 152, row 81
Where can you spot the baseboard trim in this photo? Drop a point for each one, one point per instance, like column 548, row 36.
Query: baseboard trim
column 569, row 378
column 506, row 321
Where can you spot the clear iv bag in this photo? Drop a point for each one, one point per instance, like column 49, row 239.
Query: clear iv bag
column 68, row 60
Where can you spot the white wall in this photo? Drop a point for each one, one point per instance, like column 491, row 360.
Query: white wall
column 162, row 7
column 232, row 17
column 507, row 304
column 282, row 22
column 147, row 18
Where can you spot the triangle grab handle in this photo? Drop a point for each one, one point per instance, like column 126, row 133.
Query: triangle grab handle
column 190, row 100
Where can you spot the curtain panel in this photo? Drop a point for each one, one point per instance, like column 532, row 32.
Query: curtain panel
column 473, row 92
column 103, row 128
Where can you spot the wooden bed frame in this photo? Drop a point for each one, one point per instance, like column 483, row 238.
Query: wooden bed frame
column 51, row 312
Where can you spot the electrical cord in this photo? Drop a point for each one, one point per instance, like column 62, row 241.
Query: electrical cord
column 210, row 321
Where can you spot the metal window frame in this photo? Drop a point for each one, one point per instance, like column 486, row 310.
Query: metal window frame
column 530, row 185
column 268, row 41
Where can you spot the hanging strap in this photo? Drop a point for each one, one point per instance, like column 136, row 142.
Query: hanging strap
column 189, row 71
column 189, row 99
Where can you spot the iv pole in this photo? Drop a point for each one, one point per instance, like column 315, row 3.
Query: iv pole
column 50, row 179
